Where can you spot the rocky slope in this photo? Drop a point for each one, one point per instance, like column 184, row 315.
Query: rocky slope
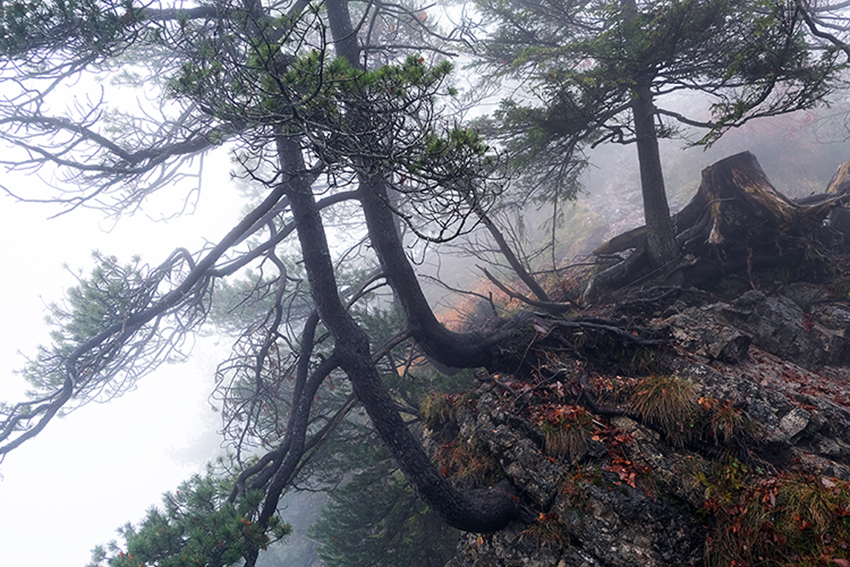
column 669, row 426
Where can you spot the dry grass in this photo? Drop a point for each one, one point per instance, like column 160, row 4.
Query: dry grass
column 565, row 428
column 782, row 521
column 668, row 403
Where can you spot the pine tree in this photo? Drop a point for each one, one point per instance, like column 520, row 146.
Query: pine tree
column 627, row 71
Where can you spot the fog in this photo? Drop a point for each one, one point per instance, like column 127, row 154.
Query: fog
column 104, row 465
column 95, row 469
column 107, row 463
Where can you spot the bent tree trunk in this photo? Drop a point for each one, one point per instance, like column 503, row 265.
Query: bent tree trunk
column 489, row 510
column 738, row 220
column 484, row 510
column 460, row 350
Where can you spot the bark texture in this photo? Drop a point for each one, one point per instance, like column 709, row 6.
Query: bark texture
column 660, row 241
column 488, row 510
column 477, row 511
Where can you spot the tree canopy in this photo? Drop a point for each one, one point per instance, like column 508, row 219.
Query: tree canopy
column 318, row 114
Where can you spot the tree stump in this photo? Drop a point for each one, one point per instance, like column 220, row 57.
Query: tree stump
column 839, row 217
column 735, row 207
column 737, row 220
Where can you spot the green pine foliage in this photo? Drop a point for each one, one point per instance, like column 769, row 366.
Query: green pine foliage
column 107, row 295
column 580, row 62
column 90, row 25
column 197, row 525
column 376, row 519
column 103, row 299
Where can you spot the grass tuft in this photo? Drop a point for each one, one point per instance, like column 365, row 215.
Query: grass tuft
column 668, row 403
column 791, row 519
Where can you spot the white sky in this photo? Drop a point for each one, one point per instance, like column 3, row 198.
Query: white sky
column 86, row 474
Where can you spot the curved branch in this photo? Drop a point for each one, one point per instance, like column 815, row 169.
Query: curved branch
column 122, row 331
column 549, row 306
column 817, row 32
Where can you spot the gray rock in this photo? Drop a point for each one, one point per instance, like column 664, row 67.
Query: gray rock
column 792, row 424
column 793, row 412
column 805, row 295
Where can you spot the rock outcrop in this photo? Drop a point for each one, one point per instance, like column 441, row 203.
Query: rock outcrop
column 728, row 445
column 765, row 393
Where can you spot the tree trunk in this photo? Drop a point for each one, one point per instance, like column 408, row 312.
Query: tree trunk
column 481, row 511
column 661, row 242
column 461, row 350
column 512, row 259
column 486, row 510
